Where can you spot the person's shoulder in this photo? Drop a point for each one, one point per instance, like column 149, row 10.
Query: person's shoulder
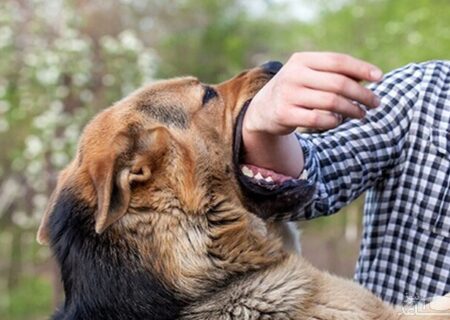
column 437, row 71
column 435, row 64
column 400, row 80
column 442, row 67
column 411, row 69
column 418, row 72
column 424, row 65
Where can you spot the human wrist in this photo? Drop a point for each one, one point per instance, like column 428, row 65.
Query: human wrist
column 280, row 153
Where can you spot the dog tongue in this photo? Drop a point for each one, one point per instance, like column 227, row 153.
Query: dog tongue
column 277, row 178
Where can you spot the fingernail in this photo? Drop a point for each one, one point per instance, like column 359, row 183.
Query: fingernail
column 376, row 74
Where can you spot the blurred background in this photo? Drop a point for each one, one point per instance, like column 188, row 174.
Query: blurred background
column 61, row 61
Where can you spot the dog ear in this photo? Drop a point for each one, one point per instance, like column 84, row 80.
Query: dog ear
column 114, row 191
column 113, row 182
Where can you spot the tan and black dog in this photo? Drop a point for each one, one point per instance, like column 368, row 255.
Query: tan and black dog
column 153, row 219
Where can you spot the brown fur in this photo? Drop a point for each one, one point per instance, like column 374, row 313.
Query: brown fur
column 157, row 166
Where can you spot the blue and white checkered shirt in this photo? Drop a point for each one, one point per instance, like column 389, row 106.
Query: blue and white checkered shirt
column 400, row 154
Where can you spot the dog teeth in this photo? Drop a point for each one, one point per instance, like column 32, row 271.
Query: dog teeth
column 269, row 179
column 247, row 172
column 259, row 176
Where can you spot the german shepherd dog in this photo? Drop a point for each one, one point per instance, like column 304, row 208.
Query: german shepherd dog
column 153, row 219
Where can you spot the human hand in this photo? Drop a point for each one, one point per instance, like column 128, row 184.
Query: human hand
column 308, row 84
column 312, row 90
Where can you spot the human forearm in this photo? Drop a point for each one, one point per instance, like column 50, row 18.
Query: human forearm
column 281, row 154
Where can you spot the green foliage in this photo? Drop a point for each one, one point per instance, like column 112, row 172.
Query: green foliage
column 30, row 299
column 220, row 39
column 385, row 32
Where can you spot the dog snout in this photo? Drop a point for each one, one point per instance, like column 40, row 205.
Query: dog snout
column 272, row 67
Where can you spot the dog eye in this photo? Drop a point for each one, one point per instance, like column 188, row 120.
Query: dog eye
column 209, row 94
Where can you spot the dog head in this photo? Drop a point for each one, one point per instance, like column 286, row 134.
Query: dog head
column 161, row 167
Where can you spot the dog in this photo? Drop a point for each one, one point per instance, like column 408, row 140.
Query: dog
column 154, row 218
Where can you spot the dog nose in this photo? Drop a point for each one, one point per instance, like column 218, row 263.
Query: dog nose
column 272, row 67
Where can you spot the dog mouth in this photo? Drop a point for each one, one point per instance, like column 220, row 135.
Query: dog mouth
column 267, row 193
column 263, row 177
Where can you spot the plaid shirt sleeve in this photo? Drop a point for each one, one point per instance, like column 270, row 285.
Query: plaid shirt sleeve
column 346, row 161
column 400, row 154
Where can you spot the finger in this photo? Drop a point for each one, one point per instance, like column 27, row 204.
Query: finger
column 313, row 119
column 327, row 101
column 342, row 85
column 340, row 63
